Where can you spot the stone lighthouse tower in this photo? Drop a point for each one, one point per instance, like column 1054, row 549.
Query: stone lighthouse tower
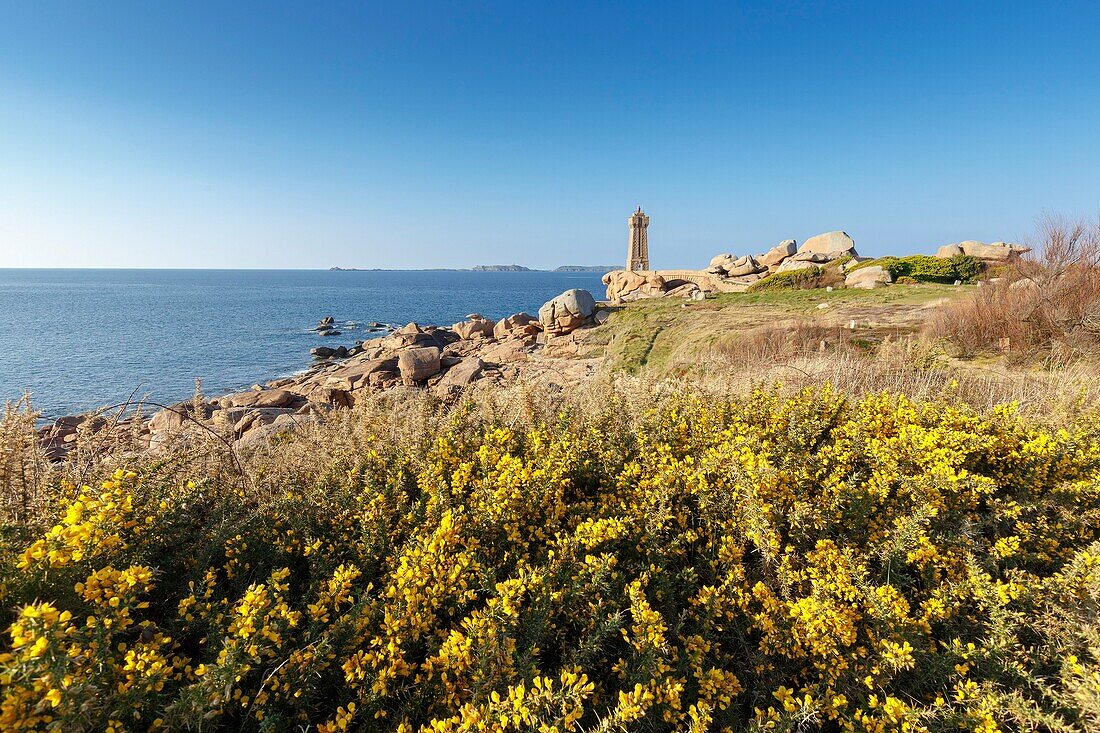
column 637, row 257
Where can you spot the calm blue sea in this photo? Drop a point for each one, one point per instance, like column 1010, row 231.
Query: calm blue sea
column 79, row 339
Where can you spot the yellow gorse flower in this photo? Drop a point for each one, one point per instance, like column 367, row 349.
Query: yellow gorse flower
column 873, row 565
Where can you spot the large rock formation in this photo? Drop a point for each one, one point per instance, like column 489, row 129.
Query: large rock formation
column 687, row 290
column 418, row 364
column 833, row 244
column 567, row 312
column 357, row 375
column 737, row 274
column 868, row 278
column 170, row 418
column 792, row 263
column 424, row 357
column 995, row 252
column 415, row 335
column 817, row 258
column 521, row 326
column 462, row 374
column 774, row 256
column 260, row 398
column 624, row 285
column 727, row 265
column 475, row 326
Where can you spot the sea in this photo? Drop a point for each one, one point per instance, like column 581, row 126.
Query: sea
column 76, row 340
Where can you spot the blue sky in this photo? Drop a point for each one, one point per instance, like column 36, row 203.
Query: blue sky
column 238, row 134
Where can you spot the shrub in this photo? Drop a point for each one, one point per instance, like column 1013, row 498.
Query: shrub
column 928, row 269
column 692, row 563
column 788, row 280
column 969, row 269
column 1042, row 306
column 807, row 278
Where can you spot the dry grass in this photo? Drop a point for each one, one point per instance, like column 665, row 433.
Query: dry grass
column 1046, row 306
column 912, row 364
column 25, row 474
column 777, row 344
column 788, row 358
column 667, row 338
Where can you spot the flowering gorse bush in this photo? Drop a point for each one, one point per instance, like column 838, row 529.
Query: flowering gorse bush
column 777, row 563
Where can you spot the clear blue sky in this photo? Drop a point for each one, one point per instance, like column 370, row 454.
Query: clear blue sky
column 409, row 134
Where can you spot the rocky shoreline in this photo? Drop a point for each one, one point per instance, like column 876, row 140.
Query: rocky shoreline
column 441, row 360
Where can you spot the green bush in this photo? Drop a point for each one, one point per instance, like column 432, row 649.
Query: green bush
column 928, row 269
column 789, row 280
column 969, row 268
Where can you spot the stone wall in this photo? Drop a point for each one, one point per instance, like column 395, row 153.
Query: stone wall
column 706, row 281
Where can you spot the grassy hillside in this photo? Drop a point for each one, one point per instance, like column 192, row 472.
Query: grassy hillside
column 859, row 338
column 666, row 335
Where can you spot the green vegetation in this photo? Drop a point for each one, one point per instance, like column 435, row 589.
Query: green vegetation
column 838, row 262
column 928, row 269
column 805, row 278
column 969, row 269
column 672, row 337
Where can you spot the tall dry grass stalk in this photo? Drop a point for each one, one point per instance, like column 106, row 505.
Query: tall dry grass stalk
column 25, row 473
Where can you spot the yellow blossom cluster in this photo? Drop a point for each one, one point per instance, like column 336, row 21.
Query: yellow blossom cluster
column 92, row 524
column 778, row 563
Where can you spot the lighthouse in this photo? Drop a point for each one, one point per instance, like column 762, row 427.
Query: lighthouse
column 637, row 257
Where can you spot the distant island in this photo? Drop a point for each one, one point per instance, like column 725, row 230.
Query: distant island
column 501, row 268
column 587, row 268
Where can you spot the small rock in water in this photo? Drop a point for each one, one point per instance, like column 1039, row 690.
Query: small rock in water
column 322, row 352
column 330, row 332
